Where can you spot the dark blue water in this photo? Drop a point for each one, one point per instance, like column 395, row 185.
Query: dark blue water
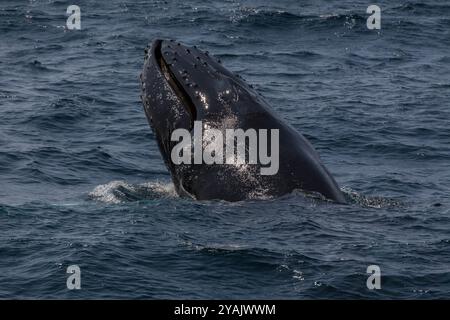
column 83, row 182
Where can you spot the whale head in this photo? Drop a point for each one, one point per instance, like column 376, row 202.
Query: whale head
column 183, row 86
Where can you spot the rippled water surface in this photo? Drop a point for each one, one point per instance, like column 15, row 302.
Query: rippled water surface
column 83, row 182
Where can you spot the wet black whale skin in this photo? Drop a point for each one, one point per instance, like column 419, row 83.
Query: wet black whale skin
column 181, row 84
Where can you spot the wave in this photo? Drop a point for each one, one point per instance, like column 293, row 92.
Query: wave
column 58, row 114
column 116, row 192
column 119, row 191
column 262, row 16
column 273, row 18
column 272, row 53
column 419, row 8
column 354, row 197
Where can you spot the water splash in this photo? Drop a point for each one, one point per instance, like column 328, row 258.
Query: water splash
column 354, row 197
column 121, row 192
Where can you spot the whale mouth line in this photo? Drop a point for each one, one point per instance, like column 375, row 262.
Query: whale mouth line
column 176, row 86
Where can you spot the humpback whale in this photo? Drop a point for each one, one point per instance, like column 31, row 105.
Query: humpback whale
column 184, row 88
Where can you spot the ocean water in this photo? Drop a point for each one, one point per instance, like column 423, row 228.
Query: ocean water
column 83, row 182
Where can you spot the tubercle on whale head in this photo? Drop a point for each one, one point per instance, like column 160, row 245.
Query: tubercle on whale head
column 189, row 82
column 197, row 79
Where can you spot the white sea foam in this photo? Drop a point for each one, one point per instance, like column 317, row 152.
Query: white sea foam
column 121, row 191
